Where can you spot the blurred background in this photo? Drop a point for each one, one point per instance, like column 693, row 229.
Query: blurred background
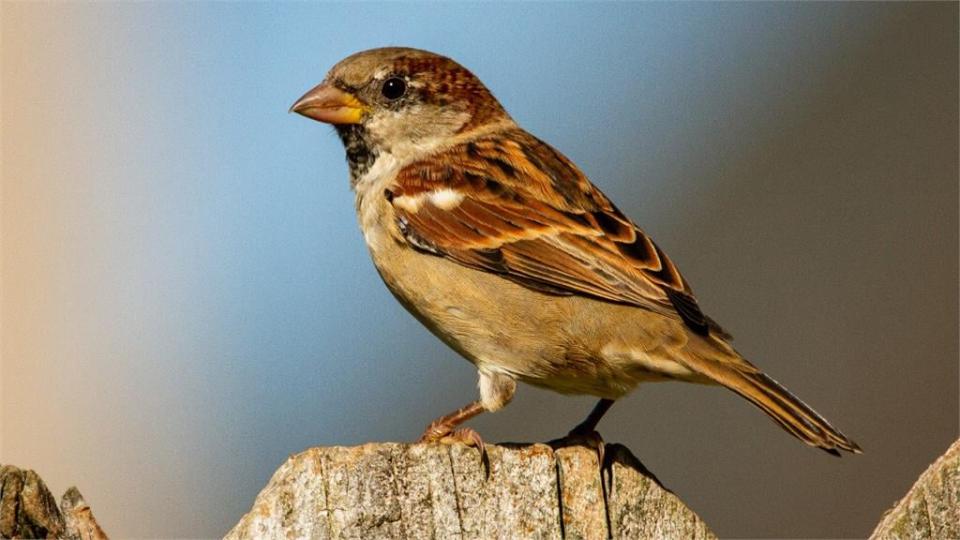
column 186, row 299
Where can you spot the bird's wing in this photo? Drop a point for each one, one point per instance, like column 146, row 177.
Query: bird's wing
column 512, row 205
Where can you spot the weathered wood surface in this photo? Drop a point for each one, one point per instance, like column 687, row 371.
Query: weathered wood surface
column 395, row 490
column 28, row 509
column 931, row 509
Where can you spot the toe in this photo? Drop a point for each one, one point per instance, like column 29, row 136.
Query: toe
column 587, row 438
column 435, row 432
column 470, row 437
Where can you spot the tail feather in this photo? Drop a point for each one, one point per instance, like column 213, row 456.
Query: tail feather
column 792, row 414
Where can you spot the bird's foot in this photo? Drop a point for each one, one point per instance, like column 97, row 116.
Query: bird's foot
column 444, row 433
column 437, row 430
column 589, row 438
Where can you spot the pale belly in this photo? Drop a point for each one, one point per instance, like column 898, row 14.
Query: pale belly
column 569, row 344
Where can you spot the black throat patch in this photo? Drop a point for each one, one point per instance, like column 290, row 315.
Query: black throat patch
column 360, row 152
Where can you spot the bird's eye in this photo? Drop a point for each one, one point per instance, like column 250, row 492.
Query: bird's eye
column 393, row 88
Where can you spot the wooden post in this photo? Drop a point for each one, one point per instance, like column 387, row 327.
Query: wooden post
column 931, row 509
column 28, row 509
column 393, row 490
column 399, row 491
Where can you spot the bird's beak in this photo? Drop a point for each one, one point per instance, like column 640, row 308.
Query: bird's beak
column 326, row 103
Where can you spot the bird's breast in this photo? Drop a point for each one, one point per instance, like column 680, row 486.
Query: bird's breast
column 374, row 212
column 567, row 343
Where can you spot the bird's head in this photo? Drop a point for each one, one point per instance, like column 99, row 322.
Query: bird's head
column 398, row 100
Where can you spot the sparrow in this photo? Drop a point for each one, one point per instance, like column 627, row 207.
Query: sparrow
column 504, row 249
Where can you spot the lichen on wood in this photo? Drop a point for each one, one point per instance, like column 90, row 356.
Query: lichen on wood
column 931, row 509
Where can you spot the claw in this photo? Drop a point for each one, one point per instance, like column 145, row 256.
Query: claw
column 590, row 439
column 470, row 437
column 439, row 432
column 466, row 436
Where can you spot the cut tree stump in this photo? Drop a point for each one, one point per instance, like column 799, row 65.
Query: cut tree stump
column 931, row 509
column 393, row 490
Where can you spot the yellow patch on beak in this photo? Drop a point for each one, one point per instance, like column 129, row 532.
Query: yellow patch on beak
column 327, row 103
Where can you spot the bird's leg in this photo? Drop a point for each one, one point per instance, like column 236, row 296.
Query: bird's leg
column 589, row 425
column 496, row 390
column 444, row 430
column 446, row 424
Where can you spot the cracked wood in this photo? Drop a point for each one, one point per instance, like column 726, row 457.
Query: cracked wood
column 395, row 490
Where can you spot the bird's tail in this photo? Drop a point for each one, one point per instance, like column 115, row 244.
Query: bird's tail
column 793, row 415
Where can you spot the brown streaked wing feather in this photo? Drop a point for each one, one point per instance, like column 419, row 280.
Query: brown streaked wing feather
column 522, row 210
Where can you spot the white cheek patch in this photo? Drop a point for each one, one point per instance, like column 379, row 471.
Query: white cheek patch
column 446, row 198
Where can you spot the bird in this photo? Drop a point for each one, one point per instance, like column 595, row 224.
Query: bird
column 504, row 249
